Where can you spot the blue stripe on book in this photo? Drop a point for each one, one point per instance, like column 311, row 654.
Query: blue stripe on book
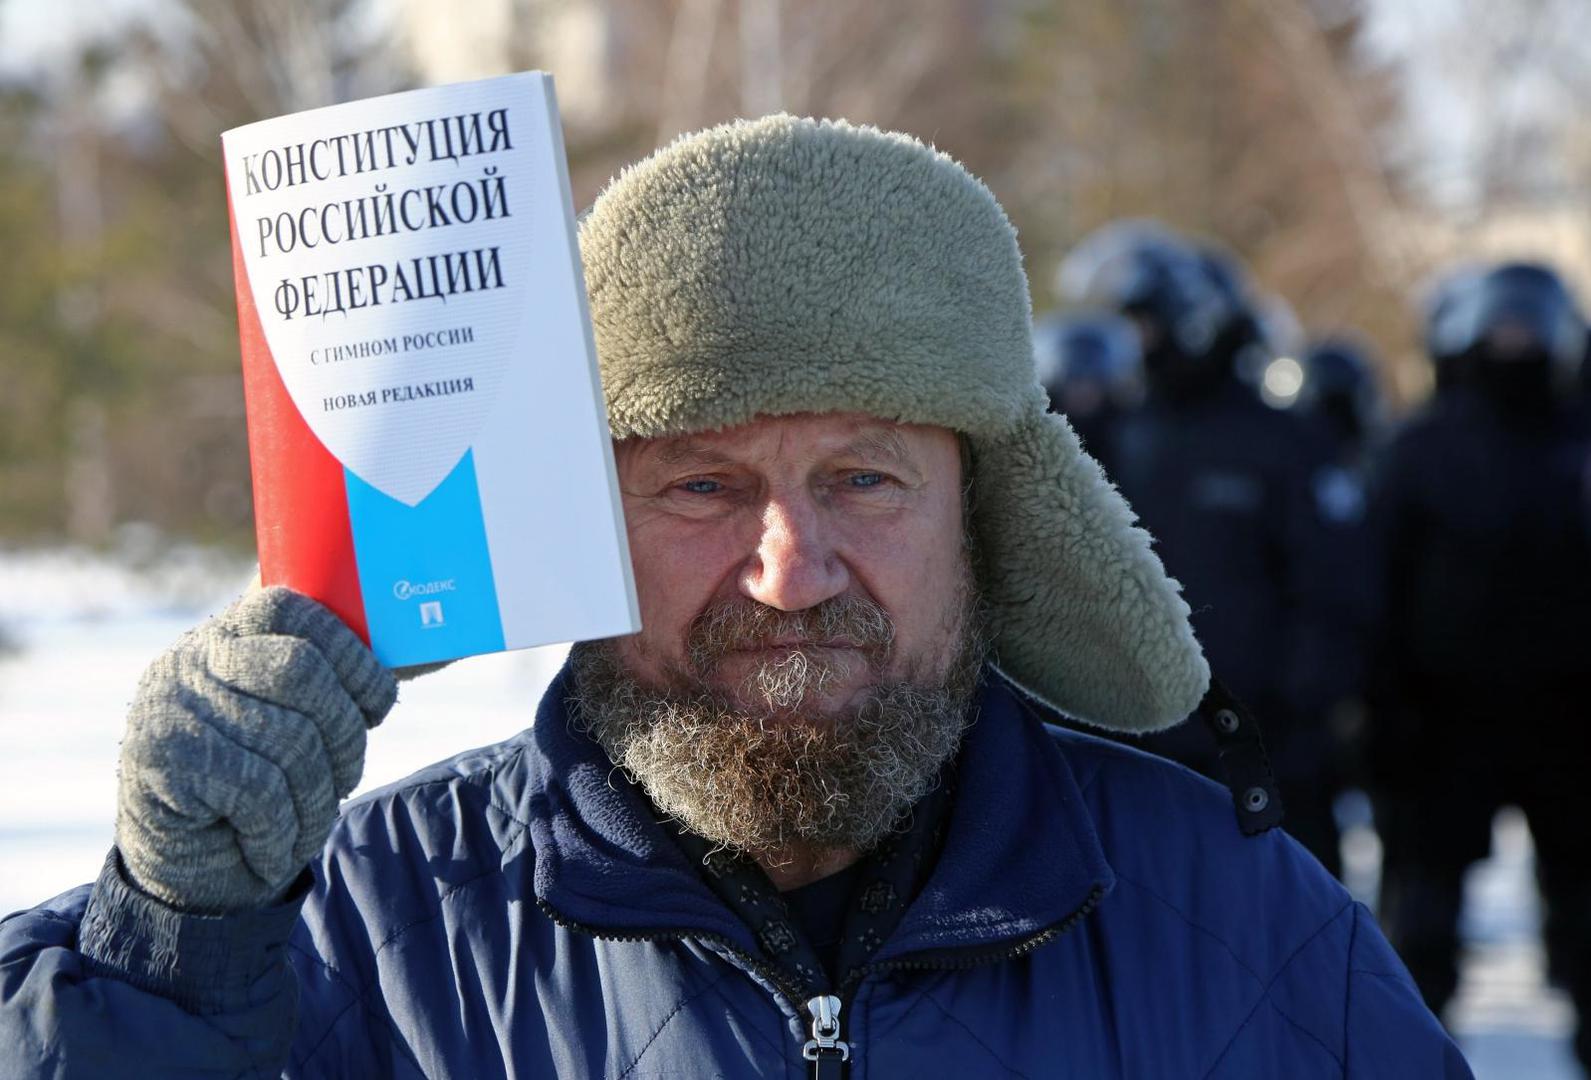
column 426, row 570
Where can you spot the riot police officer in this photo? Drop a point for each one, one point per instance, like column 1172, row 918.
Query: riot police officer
column 1481, row 686
column 1226, row 485
column 1339, row 390
column 1340, row 394
column 1091, row 367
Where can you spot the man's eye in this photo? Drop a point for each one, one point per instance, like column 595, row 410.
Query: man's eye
column 702, row 487
column 866, row 479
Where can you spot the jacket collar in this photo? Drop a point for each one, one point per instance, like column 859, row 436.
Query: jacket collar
column 1020, row 854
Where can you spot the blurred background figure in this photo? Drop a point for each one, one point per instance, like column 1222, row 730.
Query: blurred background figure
column 1186, row 310
column 1339, row 394
column 1264, row 337
column 1339, row 391
column 1260, row 330
column 1091, row 366
column 1481, row 509
column 1228, row 486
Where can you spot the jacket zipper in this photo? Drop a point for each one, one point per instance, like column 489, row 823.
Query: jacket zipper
column 954, row 960
column 826, row 1050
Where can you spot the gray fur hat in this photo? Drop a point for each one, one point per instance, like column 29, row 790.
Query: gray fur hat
column 785, row 266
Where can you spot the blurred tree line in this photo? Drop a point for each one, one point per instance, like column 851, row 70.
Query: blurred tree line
column 118, row 337
column 1259, row 123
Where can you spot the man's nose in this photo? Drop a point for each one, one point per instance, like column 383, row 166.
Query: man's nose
column 795, row 565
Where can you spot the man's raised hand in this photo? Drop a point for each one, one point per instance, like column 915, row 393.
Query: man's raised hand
column 241, row 741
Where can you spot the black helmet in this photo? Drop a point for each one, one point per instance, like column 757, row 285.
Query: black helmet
column 1509, row 309
column 1523, row 335
column 1524, row 307
column 1260, row 328
column 1226, row 273
column 1142, row 269
column 1340, row 387
column 1086, row 361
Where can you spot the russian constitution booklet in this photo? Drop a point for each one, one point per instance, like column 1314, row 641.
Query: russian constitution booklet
column 427, row 436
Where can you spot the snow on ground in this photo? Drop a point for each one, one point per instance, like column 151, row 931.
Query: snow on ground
column 80, row 629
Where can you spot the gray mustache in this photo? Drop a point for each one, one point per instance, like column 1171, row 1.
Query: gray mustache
column 737, row 625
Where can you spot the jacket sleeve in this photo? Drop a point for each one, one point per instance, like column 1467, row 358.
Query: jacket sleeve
column 107, row 982
column 1343, row 1005
column 1389, row 1031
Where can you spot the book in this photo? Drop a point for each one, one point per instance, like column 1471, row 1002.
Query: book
column 427, row 438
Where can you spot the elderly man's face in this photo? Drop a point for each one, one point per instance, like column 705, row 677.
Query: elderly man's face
column 812, row 637
column 784, row 514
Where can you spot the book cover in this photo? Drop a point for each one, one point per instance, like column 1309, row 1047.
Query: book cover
column 429, row 448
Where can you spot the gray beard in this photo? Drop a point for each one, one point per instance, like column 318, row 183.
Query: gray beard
column 777, row 778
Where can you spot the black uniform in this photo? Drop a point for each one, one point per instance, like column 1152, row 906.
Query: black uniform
column 1340, row 395
column 1483, row 682
column 1243, row 501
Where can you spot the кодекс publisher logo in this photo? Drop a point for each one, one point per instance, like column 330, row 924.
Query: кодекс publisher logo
column 405, row 590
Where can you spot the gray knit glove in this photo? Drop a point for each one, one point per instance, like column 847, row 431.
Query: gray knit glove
column 241, row 740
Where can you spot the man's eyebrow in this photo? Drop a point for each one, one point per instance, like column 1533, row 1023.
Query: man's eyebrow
column 880, row 443
column 682, row 451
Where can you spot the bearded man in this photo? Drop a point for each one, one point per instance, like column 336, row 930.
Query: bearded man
column 811, row 820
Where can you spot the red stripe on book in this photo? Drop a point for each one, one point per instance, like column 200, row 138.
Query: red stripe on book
column 300, row 501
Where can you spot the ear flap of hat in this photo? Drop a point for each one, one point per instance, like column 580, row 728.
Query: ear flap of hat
column 1081, row 611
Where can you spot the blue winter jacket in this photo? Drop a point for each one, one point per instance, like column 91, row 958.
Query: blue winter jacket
column 518, row 911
